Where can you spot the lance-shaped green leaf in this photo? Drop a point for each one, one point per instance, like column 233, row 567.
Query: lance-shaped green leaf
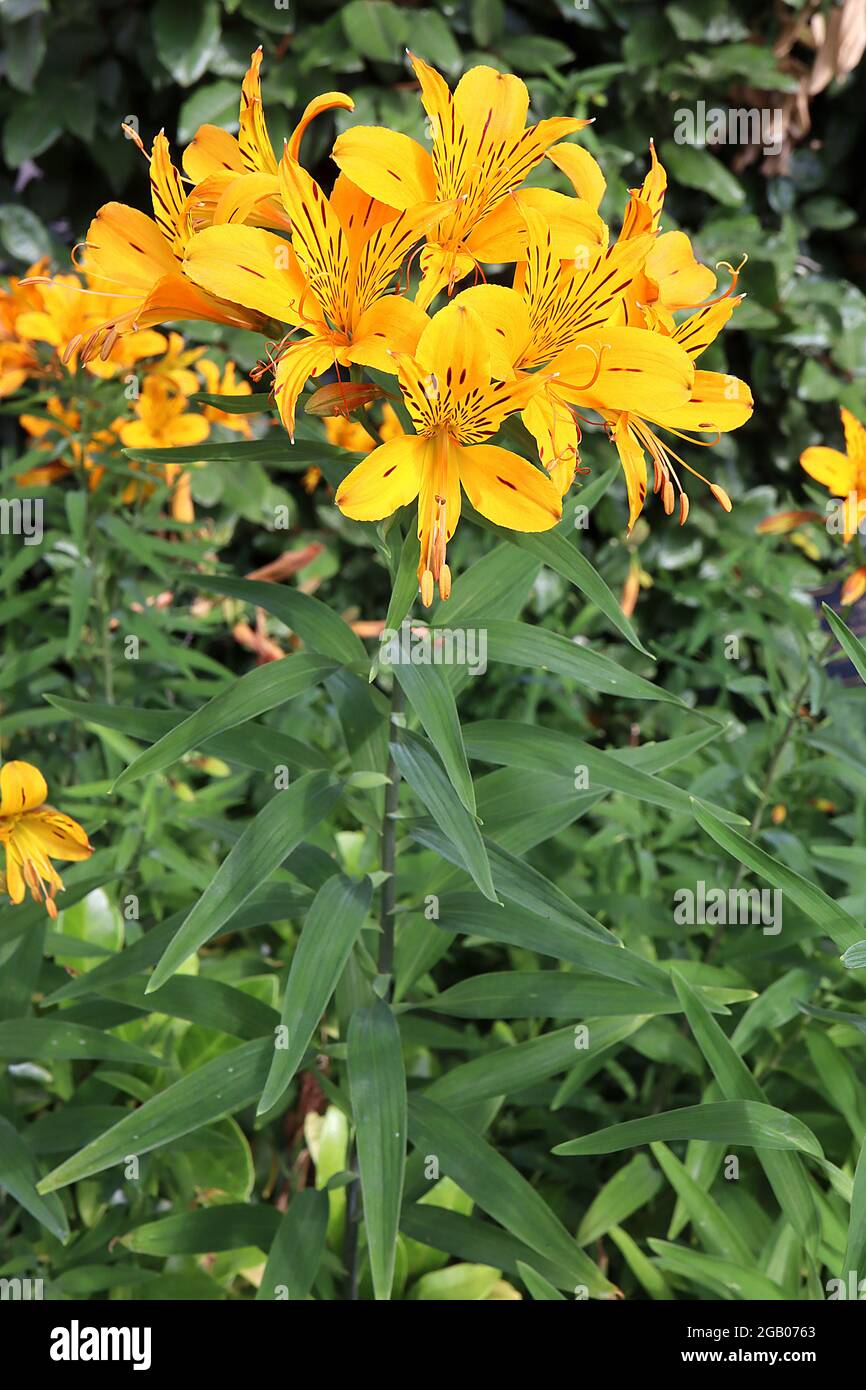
column 219, row 1088
column 635, row 1184
column 521, row 884
column 18, row 1177
column 278, row 828
column 417, row 764
column 712, row 1226
column 724, row 1278
column 210, row 1003
column 518, row 644
column 467, row 913
column 498, row 1188
column 253, row 404
column 851, row 645
column 210, row 1229
column 855, row 1245
column 431, row 698
column 54, row 1040
column 317, row 625
column 746, row 1122
column 506, row 1070
column 298, row 1247
column 256, row 746
column 545, row 994
column 827, row 915
column 377, row 1085
column 537, row 749
column 264, row 688
column 784, row 1172
column 330, row 931
column 555, row 550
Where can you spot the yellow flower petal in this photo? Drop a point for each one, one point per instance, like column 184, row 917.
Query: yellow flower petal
column 633, row 460
column 508, row 490
column 717, row 402
column 251, row 267
column 58, row 835
column 682, row 281
column 391, row 324
column 297, row 363
column 831, row 469
column 582, row 171
column 22, row 788
column 386, row 479
column 636, row 371
column 506, row 317
column 386, row 165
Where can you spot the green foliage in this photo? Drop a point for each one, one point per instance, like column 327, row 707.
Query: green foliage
column 553, row 1067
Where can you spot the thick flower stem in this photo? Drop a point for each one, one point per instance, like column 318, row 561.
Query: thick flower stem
column 385, row 965
column 389, row 848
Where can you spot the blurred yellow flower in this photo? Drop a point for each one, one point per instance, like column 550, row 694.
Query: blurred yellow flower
column 32, row 834
column 844, row 475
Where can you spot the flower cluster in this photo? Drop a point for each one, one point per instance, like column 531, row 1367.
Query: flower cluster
column 47, row 327
column 588, row 323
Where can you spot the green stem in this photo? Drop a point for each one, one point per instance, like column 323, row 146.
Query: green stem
column 385, row 966
column 389, row 850
column 105, row 636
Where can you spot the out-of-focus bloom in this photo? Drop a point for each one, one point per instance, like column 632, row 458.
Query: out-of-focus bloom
column 59, row 432
column 224, row 382
column 844, row 475
column 163, row 422
column 32, row 834
column 854, row 587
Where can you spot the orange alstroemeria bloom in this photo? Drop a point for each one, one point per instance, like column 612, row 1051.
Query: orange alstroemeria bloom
column 236, row 178
column 844, row 475
column 66, row 316
column 559, row 319
column 482, row 151
column 224, row 382
column 162, row 422
column 138, row 260
column 351, row 434
column 333, row 280
column 455, row 403
column 672, row 278
column 32, row 834
column 18, row 358
column 717, row 403
column 59, row 432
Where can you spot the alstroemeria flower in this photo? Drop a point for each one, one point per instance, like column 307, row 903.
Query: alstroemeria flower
column 718, row 402
column 455, row 403
column 672, row 278
column 482, row 151
column 333, row 280
column 163, row 422
column 844, row 475
column 558, row 319
column 138, row 261
column 59, row 432
column 32, row 834
column 236, row 177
